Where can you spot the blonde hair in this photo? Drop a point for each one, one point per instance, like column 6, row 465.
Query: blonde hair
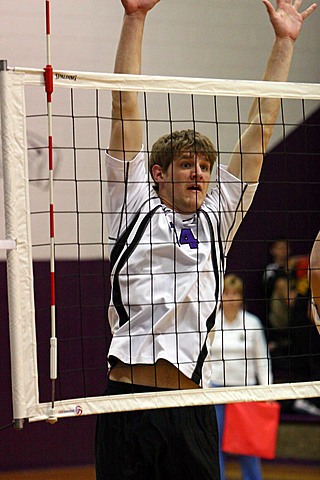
column 233, row 282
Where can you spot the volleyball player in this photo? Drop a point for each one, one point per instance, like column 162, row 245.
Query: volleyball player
column 315, row 281
column 169, row 247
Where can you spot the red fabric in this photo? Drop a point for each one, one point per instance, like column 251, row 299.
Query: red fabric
column 251, row 428
column 302, row 267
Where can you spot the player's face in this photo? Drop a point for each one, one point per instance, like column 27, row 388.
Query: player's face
column 184, row 185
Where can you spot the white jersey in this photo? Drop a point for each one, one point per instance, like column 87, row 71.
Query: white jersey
column 239, row 353
column 167, row 268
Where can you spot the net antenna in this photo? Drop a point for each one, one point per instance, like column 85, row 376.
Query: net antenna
column 48, row 76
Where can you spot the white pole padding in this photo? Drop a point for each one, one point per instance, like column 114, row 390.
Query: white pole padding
column 18, row 231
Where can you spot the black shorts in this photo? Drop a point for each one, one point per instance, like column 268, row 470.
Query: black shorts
column 162, row 444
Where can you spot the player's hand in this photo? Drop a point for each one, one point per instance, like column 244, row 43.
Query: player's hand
column 286, row 19
column 134, row 6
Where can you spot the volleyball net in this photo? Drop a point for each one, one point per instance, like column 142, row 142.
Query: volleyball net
column 58, row 305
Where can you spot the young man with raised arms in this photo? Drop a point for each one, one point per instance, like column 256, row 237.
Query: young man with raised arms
column 168, row 250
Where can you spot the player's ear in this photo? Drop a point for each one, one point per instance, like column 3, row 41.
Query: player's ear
column 157, row 173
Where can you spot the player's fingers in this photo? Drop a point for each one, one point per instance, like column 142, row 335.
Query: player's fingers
column 309, row 11
column 269, row 6
column 297, row 4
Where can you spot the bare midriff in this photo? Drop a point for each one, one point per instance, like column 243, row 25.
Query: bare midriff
column 162, row 375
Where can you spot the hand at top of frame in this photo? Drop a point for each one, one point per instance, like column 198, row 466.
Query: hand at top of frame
column 133, row 6
column 286, row 19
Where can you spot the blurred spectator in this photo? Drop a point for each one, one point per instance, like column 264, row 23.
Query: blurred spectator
column 279, row 267
column 239, row 356
column 293, row 343
column 279, row 282
column 279, row 286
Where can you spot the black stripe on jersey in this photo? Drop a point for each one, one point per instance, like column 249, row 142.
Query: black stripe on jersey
column 197, row 373
column 121, row 242
column 116, row 295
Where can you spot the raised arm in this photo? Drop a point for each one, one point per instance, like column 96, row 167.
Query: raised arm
column 314, row 275
column 246, row 161
column 126, row 130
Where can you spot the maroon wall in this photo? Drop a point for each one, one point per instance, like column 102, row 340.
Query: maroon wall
column 82, row 294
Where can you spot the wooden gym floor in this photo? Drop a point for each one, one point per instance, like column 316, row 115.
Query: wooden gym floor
column 271, row 471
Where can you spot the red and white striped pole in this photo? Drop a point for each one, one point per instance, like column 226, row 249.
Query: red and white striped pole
column 48, row 76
